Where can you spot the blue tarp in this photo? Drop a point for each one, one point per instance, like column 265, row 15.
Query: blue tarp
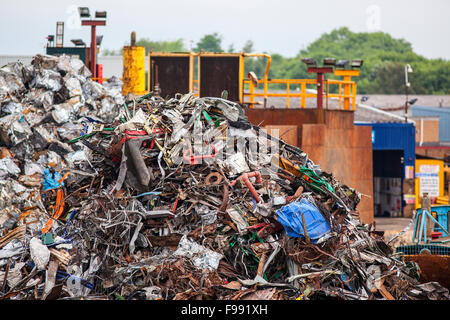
column 290, row 216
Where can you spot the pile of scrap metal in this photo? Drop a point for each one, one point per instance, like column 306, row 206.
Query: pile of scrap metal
column 178, row 198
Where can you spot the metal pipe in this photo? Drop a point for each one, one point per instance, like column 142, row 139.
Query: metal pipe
column 93, row 52
column 245, row 178
column 421, row 131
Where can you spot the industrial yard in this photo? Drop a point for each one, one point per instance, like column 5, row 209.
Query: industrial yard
column 144, row 167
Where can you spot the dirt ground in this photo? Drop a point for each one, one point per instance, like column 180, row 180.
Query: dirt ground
column 392, row 226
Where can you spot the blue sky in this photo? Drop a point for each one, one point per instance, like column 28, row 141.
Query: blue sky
column 283, row 26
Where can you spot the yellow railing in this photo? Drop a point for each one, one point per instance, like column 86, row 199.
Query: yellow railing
column 302, row 93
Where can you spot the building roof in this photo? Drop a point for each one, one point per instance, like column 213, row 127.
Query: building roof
column 365, row 113
column 444, row 119
column 398, row 100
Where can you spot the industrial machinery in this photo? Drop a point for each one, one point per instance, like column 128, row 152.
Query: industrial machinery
column 430, row 245
column 172, row 73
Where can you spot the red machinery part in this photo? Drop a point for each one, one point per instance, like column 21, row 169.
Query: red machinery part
column 100, row 73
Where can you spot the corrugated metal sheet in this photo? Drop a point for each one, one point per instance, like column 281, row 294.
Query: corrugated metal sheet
column 394, row 136
column 444, row 118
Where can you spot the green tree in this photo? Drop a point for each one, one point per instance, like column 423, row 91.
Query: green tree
column 210, row 43
column 248, row 46
column 384, row 60
column 162, row 46
column 108, row 52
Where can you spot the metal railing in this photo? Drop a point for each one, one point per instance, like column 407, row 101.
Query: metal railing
column 302, row 93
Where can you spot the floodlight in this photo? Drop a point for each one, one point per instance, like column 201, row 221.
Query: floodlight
column 309, row 62
column 329, row 61
column 84, row 12
column 357, row 63
column 100, row 14
column 408, row 68
column 412, row 101
column 99, row 40
column 78, row 42
column 341, row 64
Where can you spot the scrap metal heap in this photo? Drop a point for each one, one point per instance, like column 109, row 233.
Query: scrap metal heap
column 106, row 197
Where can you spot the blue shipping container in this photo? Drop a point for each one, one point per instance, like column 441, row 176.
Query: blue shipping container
column 394, row 136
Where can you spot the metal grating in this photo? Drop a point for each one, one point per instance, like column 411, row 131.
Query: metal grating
column 171, row 73
column 218, row 74
column 417, row 248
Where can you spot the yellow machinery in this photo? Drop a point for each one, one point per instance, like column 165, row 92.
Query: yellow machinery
column 175, row 73
column 445, row 199
column 430, row 179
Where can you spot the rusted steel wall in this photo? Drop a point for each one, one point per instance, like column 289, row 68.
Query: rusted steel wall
column 432, row 268
column 347, row 153
column 172, row 74
column 289, row 134
column 337, row 145
column 218, row 74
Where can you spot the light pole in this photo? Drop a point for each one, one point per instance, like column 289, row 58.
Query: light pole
column 84, row 13
column 408, row 69
column 311, row 64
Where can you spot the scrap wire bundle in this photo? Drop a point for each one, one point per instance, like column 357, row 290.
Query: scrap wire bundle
column 178, row 198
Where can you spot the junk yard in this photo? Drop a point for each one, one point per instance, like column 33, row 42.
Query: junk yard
column 202, row 174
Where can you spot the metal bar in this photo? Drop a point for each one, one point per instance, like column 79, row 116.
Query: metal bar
column 308, row 95
column 421, row 226
column 303, row 97
column 93, row 23
column 252, row 97
column 198, row 74
column 425, row 228
column 287, row 91
column 93, row 61
column 319, row 90
column 415, row 226
column 149, row 87
column 435, row 221
column 241, row 78
column 191, row 72
column 347, row 90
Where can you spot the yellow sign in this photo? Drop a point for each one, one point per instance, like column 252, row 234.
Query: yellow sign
column 429, row 179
